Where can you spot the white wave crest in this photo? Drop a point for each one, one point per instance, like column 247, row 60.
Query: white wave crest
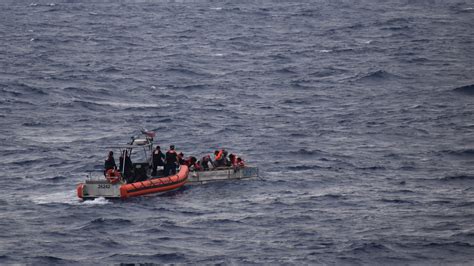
column 97, row 201
column 66, row 197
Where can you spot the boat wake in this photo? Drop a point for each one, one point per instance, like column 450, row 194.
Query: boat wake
column 64, row 197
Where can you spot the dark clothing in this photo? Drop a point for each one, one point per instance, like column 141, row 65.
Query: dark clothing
column 205, row 163
column 171, row 163
column 219, row 162
column 190, row 161
column 158, row 160
column 127, row 168
column 220, row 159
column 171, row 157
column 109, row 164
column 197, row 166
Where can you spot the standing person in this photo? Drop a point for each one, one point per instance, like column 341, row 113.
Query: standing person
column 171, row 161
column 158, row 159
column 109, row 162
column 126, row 166
column 181, row 159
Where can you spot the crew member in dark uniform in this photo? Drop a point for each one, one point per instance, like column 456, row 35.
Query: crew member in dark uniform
column 171, row 161
column 109, row 162
column 127, row 167
column 181, row 159
column 158, row 159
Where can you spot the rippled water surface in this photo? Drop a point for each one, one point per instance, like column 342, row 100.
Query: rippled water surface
column 359, row 115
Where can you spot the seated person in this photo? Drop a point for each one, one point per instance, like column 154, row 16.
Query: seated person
column 197, row 166
column 240, row 163
column 232, row 160
column 219, row 160
column 205, row 162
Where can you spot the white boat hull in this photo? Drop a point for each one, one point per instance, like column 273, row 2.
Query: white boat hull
column 200, row 177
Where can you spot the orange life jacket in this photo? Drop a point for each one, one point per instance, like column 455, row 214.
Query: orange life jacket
column 219, row 155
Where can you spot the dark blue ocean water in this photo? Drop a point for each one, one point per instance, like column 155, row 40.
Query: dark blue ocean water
column 360, row 115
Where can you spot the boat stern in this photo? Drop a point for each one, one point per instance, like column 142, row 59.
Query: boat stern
column 92, row 189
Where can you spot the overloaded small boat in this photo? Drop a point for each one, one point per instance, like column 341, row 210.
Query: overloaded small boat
column 139, row 181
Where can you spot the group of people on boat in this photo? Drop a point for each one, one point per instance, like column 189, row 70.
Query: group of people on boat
column 171, row 160
column 125, row 163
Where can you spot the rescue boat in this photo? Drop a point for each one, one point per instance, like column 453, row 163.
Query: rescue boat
column 91, row 189
column 136, row 179
column 132, row 179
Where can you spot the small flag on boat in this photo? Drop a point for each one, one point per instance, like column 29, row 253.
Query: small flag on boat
column 149, row 133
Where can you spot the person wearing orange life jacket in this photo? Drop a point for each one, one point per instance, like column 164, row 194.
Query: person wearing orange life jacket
column 171, row 161
column 219, row 159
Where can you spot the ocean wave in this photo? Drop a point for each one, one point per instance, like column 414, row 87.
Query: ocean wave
column 57, row 178
column 304, row 167
column 371, row 247
column 87, row 91
column 7, row 92
column 307, row 152
column 48, row 260
column 28, row 90
column 98, row 105
column 463, row 9
column 468, row 89
column 458, row 177
column 397, row 201
column 184, row 71
column 116, row 221
column 33, row 124
column 397, row 28
column 467, row 153
column 469, row 233
column 328, row 72
column 376, row 76
column 141, row 258
column 331, row 196
column 297, row 101
column 465, row 204
column 453, row 244
column 110, row 69
column 3, row 202
column 96, row 201
column 188, row 87
column 375, row 167
column 100, row 223
column 63, row 197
